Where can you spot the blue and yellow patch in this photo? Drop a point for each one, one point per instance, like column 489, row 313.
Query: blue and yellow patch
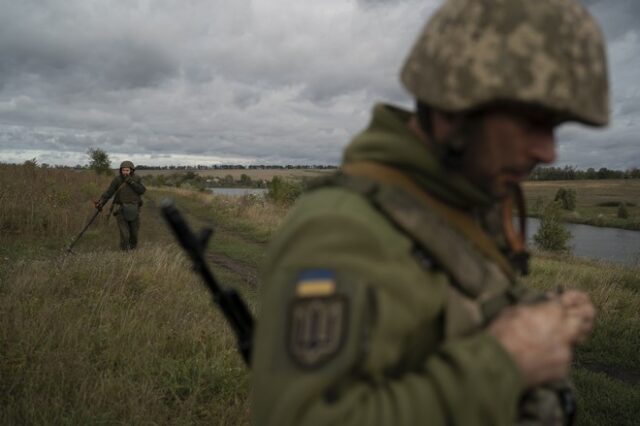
column 316, row 283
column 317, row 318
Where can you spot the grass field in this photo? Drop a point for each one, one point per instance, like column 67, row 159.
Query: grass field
column 103, row 337
column 591, row 195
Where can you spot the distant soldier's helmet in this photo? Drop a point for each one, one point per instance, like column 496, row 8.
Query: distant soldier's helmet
column 474, row 53
column 127, row 164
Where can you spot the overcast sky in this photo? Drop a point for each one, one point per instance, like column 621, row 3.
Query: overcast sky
column 241, row 81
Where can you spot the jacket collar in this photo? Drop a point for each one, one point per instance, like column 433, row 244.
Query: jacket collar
column 389, row 140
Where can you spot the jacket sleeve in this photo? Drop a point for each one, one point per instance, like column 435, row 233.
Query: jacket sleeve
column 381, row 374
column 136, row 184
column 113, row 187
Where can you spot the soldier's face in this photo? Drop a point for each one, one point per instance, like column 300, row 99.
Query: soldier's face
column 126, row 171
column 507, row 148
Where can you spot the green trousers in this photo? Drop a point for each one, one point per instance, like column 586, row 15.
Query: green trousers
column 128, row 232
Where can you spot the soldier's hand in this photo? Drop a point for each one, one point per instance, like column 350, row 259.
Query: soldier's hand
column 580, row 313
column 98, row 204
column 541, row 337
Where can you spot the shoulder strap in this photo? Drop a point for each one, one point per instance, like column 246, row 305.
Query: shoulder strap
column 433, row 234
column 461, row 221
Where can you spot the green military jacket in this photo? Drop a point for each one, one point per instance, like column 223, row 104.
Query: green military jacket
column 353, row 321
column 127, row 195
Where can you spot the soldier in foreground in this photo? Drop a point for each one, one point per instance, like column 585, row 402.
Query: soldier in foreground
column 126, row 190
column 391, row 293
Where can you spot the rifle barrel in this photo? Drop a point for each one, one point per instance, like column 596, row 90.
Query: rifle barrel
column 228, row 299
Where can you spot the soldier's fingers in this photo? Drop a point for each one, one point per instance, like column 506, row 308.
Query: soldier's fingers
column 574, row 298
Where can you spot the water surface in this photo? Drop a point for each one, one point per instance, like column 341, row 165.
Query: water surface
column 609, row 244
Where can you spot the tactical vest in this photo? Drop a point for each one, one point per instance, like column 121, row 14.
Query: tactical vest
column 483, row 281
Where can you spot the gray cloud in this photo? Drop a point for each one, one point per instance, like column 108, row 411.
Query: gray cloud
column 257, row 81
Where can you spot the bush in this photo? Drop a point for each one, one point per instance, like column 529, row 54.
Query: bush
column 567, row 198
column 283, row 191
column 552, row 234
column 245, row 180
column 623, row 213
column 537, row 206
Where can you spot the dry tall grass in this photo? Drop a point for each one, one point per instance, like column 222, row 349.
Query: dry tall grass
column 51, row 202
column 115, row 338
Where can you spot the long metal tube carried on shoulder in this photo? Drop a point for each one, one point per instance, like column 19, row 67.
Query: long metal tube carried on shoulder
column 228, row 299
column 83, row 230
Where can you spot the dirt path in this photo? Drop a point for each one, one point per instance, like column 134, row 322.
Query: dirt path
column 247, row 273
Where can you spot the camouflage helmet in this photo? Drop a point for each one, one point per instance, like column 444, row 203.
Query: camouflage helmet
column 548, row 53
column 127, row 164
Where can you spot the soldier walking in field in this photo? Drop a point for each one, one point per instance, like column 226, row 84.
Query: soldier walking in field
column 391, row 293
column 126, row 190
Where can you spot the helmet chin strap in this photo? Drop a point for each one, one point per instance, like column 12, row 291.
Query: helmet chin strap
column 516, row 239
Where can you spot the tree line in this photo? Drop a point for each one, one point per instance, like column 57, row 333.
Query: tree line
column 573, row 173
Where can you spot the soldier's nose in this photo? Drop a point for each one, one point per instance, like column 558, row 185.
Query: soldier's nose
column 543, row 147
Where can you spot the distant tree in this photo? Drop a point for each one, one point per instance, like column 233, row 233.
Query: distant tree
column 552, row 234
column 33, row 163
column 99, row 161
column 623, row 213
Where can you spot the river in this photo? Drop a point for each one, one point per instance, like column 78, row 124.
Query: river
column 609, row 244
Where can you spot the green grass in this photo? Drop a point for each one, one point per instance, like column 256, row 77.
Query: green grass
column 615, row 291
column 597, row 201
column 103, row 337
column 116, row 338
column 605, row 401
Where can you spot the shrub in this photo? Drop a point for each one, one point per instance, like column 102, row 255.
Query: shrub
column 552, row 234
column 567, row 198
column 245, row 180
column 283, row 191
column 623, row 213
column 537, row 206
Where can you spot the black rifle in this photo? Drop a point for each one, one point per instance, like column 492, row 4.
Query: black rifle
column 98, row 210
column 228, row 299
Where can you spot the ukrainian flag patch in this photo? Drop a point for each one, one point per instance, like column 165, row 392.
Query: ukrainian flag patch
column 317, row 318
column 316, row 283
